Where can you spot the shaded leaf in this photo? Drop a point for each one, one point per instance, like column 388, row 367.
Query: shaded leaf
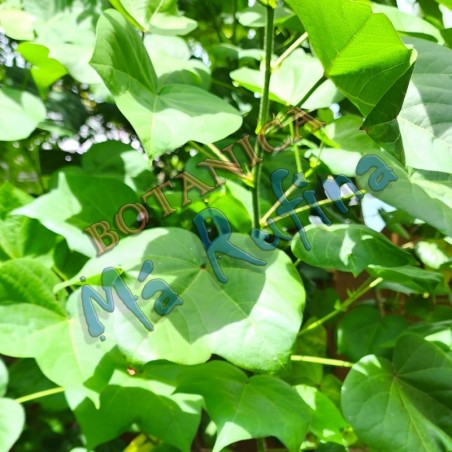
column 349, row 248
column 233, row 401
column 403, row 405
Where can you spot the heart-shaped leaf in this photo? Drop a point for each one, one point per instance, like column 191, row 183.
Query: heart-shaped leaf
column 403, row 405
column 251, row 320
column 164, row 117
column 235, row 403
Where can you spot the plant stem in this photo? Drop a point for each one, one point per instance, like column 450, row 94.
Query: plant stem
column 260, row 443
column 368, row 285
column 263, row 109
column 325, row 361
column 291, row 49
column 40, row 394
column 324, row 202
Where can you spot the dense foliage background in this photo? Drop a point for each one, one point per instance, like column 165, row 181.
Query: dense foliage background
column 346, row 346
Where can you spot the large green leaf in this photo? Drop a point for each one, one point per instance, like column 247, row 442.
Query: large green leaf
column 244, row 408
column 145, row 399
column 66, row 354
column 349, row 248
column 405, row 405
column 12, row 420
column 79, row 201
column 20, row 114
column 164, row 117
column 360, row 51
column 251, row 320
column 423, row 128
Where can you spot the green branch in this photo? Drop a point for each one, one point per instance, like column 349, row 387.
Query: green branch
column 263, row 109
column 368, row 285
column 325, row 361
column 39, row 395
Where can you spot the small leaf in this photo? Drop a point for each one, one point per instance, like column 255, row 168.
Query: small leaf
column 45, row 70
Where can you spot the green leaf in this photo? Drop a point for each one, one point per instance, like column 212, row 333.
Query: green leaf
column 408, row 23
column 12, row 420
column 57, row 342
column 363, row 332
column 172, row 63
column 21, row 236
column 20, row 114
column 79, row 201
column 293, row 80
column 349, row 248
column 145, row 399
column 27, row 281
column 403, row 405
column 45, row 70
column 116, row 160
column 347, row 38
column 170, row 24
column 17, row 24
column 327, row 423
column 244, row 408
column 423, row 127
column 409, row 279
column 140, row 12
column 251, row 320
column 426, row 196
column 164, row 117
column 434, row 253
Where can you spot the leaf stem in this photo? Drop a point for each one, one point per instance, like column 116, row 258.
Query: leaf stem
column 323, row 202
column 263, row 109
column 365, row 287
column 325, row 361
column 289, row 50
column 39, row 395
